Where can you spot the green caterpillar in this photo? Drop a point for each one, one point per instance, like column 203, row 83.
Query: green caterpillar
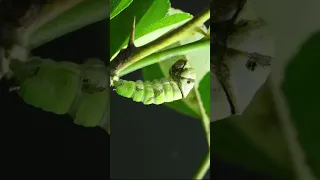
column 177, row 86
column 64, row 87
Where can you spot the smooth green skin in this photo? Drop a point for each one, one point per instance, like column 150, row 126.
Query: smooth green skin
column 57, row 87
column 173, row 88
column 91, row 109
column 53, row 88
column 92, row 105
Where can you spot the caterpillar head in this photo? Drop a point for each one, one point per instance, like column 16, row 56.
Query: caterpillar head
column 185, row 76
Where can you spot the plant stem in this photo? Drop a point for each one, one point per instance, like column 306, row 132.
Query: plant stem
column 165, row 55
column 166, row 40
column 206, row 125
column 203, row 168
column 205, row 119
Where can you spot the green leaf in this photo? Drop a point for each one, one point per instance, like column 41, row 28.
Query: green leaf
column 260, row 126
column 80, row 15
column 117, row 6
column 159, row 28
column 91, row 109
column 298, row 115
column 162, row 26
column 154, row 72
column 301, row 90
column 146, row 13
column 182, row 108
column 231, row 144
column 204, row 90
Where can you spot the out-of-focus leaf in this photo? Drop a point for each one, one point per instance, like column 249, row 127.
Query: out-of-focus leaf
column 146, row 13
column 260, row 126
column 204, row 90
column 117, row 6
column 301, row 90
column 229, row 143
column 254, row 139
column 78, row 16
column 298, row 119
column 219, row 104
column 157, row 29
column 255, row 37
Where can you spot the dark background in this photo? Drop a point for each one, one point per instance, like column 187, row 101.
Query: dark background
column 38, row 142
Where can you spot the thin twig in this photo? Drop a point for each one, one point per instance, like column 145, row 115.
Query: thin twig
column 206, row 125
column 205, row 119
column 203, row 168
column 166, row 40
column 165, row 55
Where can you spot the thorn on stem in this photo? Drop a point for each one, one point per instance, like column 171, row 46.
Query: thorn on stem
column 125, row 54
column 131, row 40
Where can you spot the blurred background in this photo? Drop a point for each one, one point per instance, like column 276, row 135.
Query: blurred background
column 35, row 141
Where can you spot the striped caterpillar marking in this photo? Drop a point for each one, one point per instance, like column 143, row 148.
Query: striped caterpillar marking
column 177, row 86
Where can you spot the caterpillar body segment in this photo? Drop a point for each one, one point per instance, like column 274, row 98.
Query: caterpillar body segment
column 65, row 87
column 52, row 88
column 155, row 92
column 90, row 109
column 92, row 103
column 177, row 86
